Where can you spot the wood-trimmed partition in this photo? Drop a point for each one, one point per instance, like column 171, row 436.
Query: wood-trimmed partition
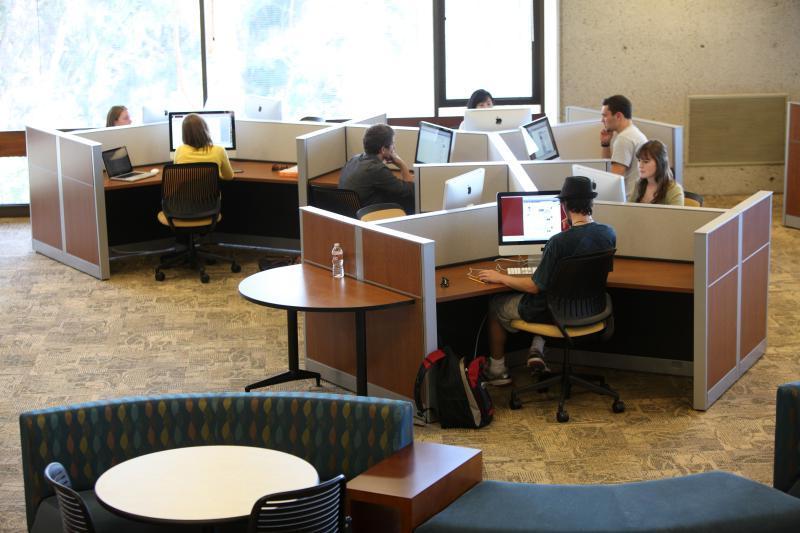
column 791, row 177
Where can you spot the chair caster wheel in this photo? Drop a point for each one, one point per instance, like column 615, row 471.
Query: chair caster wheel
column 204, row 277
column 514, row 402
column 618, row 406
column 160, row 276
column 562, row 416
column 236, row 267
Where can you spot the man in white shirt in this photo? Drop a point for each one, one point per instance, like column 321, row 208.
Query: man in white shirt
column 616, row 117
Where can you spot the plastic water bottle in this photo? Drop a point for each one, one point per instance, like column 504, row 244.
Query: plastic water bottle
column 337, row 261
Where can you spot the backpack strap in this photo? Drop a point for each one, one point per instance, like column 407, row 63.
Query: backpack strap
column 430, row 360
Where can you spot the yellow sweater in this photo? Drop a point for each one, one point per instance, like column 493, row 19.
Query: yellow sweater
column 212, row 154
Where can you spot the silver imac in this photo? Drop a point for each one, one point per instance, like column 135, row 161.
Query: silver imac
column 609, row 187
column 498, row 118
column 464, row 190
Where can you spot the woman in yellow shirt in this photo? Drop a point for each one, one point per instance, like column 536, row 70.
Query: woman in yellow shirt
column 656, row 184
column 198, row 147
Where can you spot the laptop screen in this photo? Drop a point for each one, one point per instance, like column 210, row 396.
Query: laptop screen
column 117, row 161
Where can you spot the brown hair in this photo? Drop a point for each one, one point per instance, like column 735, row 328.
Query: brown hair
column 656, row 151
column 113, row 115
column 195, row 132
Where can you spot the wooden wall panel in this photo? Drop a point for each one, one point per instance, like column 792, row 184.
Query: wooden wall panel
column 319, row 235
column 755, row 285
column 12, row 143
column 723, row 249
column 393, row 337
column 45, row 206
column 331, row 340
column 794, row 123
column 403, row 272
column 80, row 221
column 756, row 226
column 722, row 326
column 792, row 192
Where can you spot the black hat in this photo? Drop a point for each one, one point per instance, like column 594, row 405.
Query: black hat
column 577, row 187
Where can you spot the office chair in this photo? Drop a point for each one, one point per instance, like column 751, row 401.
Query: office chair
column 692, row 199
column 786, row 469
column 75, row 516
column 342, row 201
column 379, row 211
column 313, row 119
column 579, row 306
column 313, row 509
column 190, row 206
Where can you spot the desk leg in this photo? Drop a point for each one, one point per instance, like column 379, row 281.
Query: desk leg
column 361, row 354
column 294, row 372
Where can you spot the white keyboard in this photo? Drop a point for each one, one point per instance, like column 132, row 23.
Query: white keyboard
column 520, row 271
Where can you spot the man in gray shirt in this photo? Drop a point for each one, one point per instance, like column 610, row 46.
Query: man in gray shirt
column 368, row 175
column 616, row 116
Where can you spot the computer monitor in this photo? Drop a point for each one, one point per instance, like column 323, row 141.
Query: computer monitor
column 434, row 143
column 464, row 190
column 221, row 127
column 541, row 134
column 526, row 221
column 608, row 186
column 498, row 118
column 262, row 108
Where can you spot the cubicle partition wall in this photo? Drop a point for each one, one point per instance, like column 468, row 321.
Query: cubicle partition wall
column 397, row 338
column 550, row 175
column 148, row 144
column 791, row 171
column 67, row 200
column 319, row 153
column 405, row 141
column 429, row 182
column 585, row 129
column 731, row 283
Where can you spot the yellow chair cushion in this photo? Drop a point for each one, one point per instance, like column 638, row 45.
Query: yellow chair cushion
column 550, row 330
column 383, row 213
column 188, row 223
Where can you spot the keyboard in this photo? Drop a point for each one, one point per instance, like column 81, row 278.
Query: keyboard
column 134, row 176
column 521, row 271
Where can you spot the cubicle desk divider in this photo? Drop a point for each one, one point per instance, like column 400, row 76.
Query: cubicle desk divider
column 67, row 200
column 731, row 282
column 319, row 153
column 550, row 175
column 397, row 339
column 405, row 141
column 791, row 176
column 670, row 134
column 429, row 182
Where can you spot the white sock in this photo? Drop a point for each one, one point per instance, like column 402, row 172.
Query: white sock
column 497, row 365
column 537, row 346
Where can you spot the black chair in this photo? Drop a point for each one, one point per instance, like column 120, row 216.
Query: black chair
column 75, row 516
column 380, row 211
column 579, row 306
column 342, row 201
column 314, row 509
column 190, row 206
column 692, row 199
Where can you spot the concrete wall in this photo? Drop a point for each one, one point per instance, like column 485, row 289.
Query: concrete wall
column 658, row 52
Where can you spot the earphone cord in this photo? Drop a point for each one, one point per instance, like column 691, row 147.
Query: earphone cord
column 478, row 336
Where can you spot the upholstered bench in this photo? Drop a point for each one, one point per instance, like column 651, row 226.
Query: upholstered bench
column 713, row 502
column 337, row 434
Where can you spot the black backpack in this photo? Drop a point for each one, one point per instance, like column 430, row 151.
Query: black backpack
column 461, row 399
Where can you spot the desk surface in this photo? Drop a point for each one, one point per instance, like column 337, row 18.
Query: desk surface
column 310, row 288
column 200, row 484
column 640, row 274
column 257, row 171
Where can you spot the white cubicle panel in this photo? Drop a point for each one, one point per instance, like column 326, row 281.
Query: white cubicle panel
column 550, row 175
column 578, row 140
column 147, row 144
column 516, row 143
column 470, row 146
column 405, row 141
column 461, row 235
column 654, row 231
column 429, row 182
column 271, row 140
column 318, row 153
column 370, row 120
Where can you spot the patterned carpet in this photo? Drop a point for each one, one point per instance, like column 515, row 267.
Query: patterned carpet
column 67, row 337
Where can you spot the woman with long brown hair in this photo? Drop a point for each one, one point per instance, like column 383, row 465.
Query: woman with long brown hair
column 198, row 147
column 656, row 184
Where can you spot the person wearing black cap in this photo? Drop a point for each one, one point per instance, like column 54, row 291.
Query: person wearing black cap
column 529, row 303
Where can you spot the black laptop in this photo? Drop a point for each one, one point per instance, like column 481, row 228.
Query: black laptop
column 118, row 165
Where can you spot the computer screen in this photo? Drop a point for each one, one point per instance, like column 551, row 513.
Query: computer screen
column 498, row 118
column 464, row 190
column 541, row 134
column 526, row 221
column 608, row 186
column 434, row 143
column 221, row 127
column 262, row 108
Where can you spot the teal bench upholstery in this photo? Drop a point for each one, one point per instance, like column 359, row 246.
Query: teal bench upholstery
column 711, row 502
column 787, row 439
column 337, row 434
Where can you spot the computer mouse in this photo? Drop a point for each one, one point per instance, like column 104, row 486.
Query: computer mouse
column 155, row 170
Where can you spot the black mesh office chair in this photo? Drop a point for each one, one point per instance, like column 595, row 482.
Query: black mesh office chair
column 342, row 201
column 190, row 206
column 314, row 509
column 579, row 306
column 75, row 516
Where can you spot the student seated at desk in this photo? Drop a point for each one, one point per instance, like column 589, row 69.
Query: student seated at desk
column 530, row 303
column 198, row 147
column 118, row 116
column 368, row 175
column 616, row 117
column 479, row 99
column 656, row 185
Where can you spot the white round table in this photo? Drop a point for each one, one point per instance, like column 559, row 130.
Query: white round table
column 200, row 484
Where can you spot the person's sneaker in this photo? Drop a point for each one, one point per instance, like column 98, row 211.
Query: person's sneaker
column 498, row 380
column 536, row 363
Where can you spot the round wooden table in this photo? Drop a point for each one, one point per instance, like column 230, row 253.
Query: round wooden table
column 310, row 288
column 200, row 484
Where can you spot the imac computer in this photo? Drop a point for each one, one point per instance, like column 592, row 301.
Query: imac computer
column 262, row 108
column 544, row 144
column 526, row 221
column 434, row 143
column 609, row 187
column 464, row 190
column 221, row 127
column 498, row 118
